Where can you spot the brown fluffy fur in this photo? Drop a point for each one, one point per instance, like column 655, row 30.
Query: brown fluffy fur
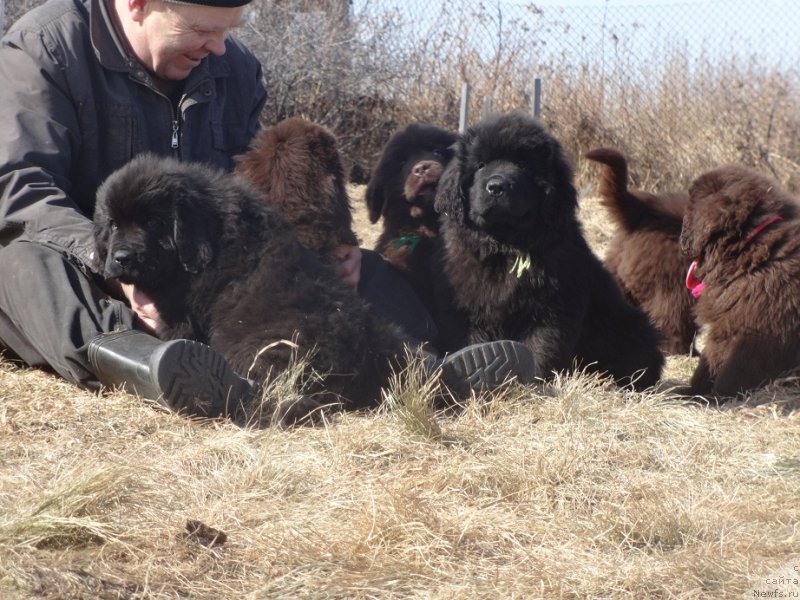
column 296, row 165
column 751, row 302
column 644, row 255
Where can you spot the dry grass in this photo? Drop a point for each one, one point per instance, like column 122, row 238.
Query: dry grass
column 569, row 490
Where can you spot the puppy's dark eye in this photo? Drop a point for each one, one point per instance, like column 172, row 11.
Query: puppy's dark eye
column 439, row 153
column 479, row 166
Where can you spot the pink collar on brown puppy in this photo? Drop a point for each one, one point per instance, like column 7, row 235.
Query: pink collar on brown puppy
column 767, row 223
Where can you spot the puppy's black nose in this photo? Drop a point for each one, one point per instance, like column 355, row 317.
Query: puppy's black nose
column 123, row 258
column 497, row 185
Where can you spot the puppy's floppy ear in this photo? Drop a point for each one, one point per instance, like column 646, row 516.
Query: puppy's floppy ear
column 709, row 216
column 562, row 203
column 101, row 227
column 102, row 231
column 450, row 197
column 686, row 240
column 375, row 195
column 195, row 232
column 720, row 209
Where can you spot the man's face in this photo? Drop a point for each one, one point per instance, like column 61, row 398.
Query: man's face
column 171, row 39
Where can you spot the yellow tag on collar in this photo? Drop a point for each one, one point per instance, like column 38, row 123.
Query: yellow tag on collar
column 521, row 264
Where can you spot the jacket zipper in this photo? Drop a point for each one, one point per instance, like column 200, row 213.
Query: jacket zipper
column 140, row 78
column 176, row 122
column 175, row 130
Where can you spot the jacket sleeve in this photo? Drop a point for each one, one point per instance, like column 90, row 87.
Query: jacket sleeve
column 41, row 135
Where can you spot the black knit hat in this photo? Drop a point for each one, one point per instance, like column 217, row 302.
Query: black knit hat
column 217, row 3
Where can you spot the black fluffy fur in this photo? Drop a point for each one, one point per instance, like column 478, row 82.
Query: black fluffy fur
column 225, row 269
column 401, row 193
column 508, row 193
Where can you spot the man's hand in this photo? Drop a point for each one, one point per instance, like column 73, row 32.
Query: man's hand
column 143, row 307
column 348, row 264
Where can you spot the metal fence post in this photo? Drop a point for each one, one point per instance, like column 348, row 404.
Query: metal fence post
column 537, row 97
column 464, row 109
column 487, row 106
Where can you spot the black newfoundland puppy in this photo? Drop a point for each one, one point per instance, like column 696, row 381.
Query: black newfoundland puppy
column 401, row 193
column 518, row 266
column 225, row 269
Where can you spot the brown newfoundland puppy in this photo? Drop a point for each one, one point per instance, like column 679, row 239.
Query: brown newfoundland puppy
column 519, row 267
column 743, row 233
column 225, row 269
column 401, row 192
column 296, row 165
column 644, row 256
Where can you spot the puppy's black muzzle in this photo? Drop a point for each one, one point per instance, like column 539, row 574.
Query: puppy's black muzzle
column 120, row 263
column 123, row 258
column 497, row 186
column 496, row 200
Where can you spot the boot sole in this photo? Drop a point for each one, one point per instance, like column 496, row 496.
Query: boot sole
column 487, row 366
column 195, row 379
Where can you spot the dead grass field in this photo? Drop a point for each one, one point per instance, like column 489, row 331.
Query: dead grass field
column 569, row 490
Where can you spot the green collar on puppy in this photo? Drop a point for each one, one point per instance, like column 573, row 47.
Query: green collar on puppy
column 521, row 264
column 411, row 240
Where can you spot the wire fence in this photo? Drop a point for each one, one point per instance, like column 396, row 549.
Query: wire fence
column 679, row 86
column 715, row 80
column 626, row 44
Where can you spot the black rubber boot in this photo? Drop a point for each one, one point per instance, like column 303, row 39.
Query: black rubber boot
column 183, row 375
column 486, row 366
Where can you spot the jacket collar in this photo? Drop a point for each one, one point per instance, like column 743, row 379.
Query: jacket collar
column 113, row 53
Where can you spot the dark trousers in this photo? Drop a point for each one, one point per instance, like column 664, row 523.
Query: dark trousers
column 392, row 297
column 50, row 309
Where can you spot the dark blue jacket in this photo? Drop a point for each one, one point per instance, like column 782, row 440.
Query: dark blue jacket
column 75, row 106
